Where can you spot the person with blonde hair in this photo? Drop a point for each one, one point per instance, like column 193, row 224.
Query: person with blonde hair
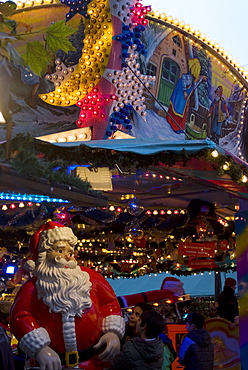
column 186, row 85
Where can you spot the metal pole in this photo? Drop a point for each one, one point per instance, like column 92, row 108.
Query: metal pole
column 217, row 285
column 5, row 82
column 8, row 138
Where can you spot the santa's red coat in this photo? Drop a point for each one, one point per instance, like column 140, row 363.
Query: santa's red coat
column 29, row 313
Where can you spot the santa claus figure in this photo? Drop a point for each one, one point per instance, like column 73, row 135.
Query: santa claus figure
column 174, row 285
column 65, row 315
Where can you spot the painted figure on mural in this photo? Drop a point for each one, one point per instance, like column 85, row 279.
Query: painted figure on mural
column 219, row 113
column 222, row 353
column 174, row 285
column 186, row 85
column 65, row 314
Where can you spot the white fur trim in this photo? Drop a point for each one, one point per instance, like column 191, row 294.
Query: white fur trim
column 69, row 333
column 29, row 265
column 51, row 236
column 34, row 341
column 114, row 324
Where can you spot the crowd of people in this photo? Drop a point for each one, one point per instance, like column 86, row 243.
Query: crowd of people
column 66, row 315
column 146, row 345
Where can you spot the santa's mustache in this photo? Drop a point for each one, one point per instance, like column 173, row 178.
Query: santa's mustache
column 62, row 262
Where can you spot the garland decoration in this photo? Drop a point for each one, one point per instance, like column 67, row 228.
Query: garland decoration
column 126, row 243
column 99, row 157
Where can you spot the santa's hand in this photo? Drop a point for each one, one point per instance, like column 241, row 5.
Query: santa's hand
column 48, row 359
column 112, row 343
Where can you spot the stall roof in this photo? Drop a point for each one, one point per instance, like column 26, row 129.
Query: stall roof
column 13, row 181
column 177, row 185
column 146, row 147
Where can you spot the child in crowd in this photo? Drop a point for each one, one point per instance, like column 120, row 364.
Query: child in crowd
column 196, row 351
column 169, row 352
column 130, row 330
column 145, row 352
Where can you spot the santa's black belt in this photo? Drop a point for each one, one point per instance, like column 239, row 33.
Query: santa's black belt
column 74, row 357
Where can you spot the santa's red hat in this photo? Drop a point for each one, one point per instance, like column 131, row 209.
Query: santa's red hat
column 171, row 281
column 48, row 234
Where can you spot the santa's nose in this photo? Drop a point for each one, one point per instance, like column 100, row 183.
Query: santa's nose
column 69, row 256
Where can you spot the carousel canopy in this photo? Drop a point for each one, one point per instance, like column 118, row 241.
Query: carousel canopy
column 199, row 169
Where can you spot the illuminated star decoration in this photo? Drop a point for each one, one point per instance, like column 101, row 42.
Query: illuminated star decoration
column 121, row 117
column 128, row 38
column 75, row 85
column 125, row 38
column 76, row 6
column 138, row 14
column 139, row 22
column 130, row 41
column 130, row 89
column 92, row 105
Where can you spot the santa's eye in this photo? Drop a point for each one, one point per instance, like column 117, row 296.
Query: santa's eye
column 60, row 250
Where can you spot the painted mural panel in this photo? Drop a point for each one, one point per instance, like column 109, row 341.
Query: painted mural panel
column 196, row 94
column 148, row 80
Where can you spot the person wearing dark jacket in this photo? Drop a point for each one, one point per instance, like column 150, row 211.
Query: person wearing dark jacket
column 146, row 351
column 130, row 328
column 196, row 351
column 228, row 303
column 169, row 352
column 6, row 356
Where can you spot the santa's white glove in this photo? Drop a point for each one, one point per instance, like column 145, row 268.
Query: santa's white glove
column 112, row 343
column 48, row 359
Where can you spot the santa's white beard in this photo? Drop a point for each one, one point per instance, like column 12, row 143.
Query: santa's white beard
column 63, row 290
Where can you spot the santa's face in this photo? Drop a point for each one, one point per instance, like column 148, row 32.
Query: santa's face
column 60, row 282
column 62, row 255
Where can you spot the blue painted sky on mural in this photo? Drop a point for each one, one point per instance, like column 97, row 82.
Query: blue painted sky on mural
column 224, row 21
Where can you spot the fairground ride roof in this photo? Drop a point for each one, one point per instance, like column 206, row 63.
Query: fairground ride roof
column 158, row 186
